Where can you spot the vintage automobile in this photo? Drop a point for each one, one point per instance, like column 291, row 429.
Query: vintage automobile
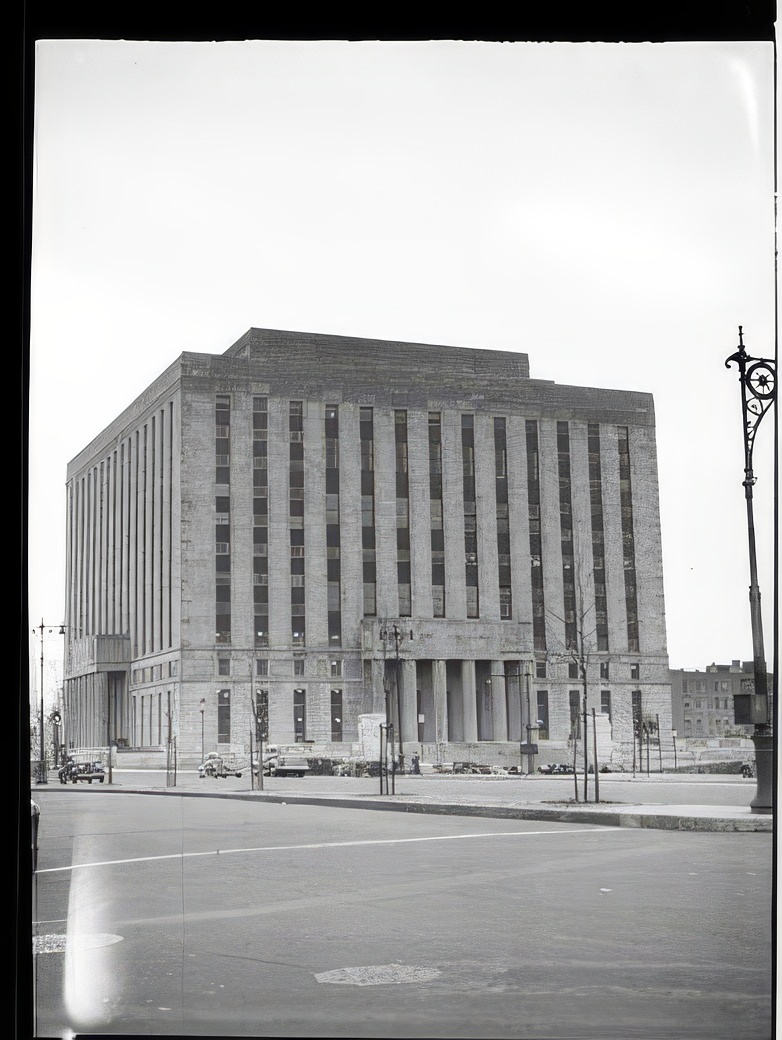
column 270, row 756
column 219, row 766
column 72, row 772
column 289, row 765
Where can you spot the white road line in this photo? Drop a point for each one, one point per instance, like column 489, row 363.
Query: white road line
column 326, row 845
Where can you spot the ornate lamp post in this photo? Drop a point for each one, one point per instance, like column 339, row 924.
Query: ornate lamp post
column 393, row 633
column 757, row 377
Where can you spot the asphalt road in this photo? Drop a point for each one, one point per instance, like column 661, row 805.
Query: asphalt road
column 183, row 916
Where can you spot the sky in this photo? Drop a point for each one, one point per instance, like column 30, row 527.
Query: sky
column 606, row 208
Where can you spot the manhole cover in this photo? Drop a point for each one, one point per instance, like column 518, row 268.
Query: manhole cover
column 378, row 975
column 88, row 941
column 49, row 944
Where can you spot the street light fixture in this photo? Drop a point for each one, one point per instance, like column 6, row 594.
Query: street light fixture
column 42, row 768
column 202, row 708
column 757, row 377
column 394, row 632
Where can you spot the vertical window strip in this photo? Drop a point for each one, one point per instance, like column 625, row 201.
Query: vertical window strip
column 296, row 511
column 470, row 516
column 628, row 539
column 336, row 715
column 260, row 433
column 402, row 514
column 222, row 521
column 535, row 537
column 437, row 532
column 300, row 715
column 367, row 441
column 333, row 563
column 598, row 535
column 503, row 519
column 566, row 536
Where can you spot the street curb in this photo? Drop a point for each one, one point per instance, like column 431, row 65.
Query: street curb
column 592, row 817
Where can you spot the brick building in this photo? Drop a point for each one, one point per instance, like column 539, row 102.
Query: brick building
column 702, row 700
column 337, row 527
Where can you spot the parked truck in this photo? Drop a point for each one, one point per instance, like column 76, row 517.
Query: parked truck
column 282, row 761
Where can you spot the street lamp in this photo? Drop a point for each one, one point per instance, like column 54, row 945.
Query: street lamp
column 757, row 377
column 202, row 709
column 393, row 632
column 42, row 769
column 530, row 754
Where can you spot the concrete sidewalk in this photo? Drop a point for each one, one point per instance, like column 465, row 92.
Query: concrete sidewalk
column 533, row 798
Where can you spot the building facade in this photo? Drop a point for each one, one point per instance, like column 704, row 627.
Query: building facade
column 327, row 528
column 702, row 700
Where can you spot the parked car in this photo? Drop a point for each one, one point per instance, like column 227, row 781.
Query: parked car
column 289, row 765
column 270, row 756
column 72, row 772
column 220, row 766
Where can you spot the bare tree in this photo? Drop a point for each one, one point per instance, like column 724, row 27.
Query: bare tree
column 578, row 646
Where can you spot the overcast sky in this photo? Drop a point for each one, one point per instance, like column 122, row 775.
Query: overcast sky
column 606, row 208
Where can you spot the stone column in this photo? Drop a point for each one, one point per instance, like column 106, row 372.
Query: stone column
column 499, row 709
column 515, row 712
column 470, row 708
column 440, row 701
column 378, row 692
column 409, row 702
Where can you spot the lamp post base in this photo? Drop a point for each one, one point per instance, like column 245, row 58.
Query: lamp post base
column 762, row 738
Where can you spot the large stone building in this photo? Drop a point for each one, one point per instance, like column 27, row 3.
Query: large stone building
column 341, row 527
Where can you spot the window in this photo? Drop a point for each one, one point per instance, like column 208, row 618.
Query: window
column 470, row 541
column 336, row 715
column 503, row 519
column 637, row 710
column 535, row 544
column 628, row 539
column 262, row 666
column 575, row 714
column 604, row 669
column 598, row 535
column 262, row 714
column 300, row 716
column 635, row 671
column 605, row 702
column 336, row 668
column 296, row 419
column 566, row 533
column 540, row 669
column 224, row 666
column 298, row 666
column 223, row 716
column 542, row 719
